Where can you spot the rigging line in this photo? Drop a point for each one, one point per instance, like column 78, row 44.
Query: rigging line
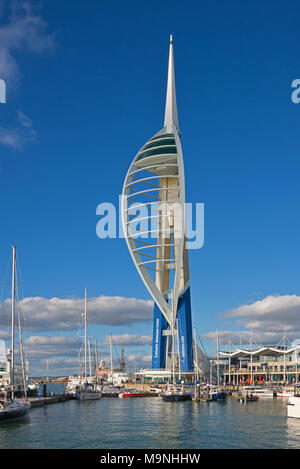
column 116, row 351
column 20, row 336
column 7, row 272
column 4, row 277
column 202, row 346
column 23, row 316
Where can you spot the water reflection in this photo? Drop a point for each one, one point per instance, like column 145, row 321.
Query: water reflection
column 293, row 432
column 152, row 423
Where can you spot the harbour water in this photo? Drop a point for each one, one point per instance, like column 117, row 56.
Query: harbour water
column 150, row 423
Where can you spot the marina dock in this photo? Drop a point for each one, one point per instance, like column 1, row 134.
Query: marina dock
column 39, row 402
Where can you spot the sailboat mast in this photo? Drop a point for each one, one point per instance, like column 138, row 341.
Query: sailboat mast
column 173, row 339
column 85, row 336
column 111, row 359
column 90, row 361
column 96, row 360
column 13, row 294
column 218, row 365
column 173, row 352
column 196, row 354
column 178, row 348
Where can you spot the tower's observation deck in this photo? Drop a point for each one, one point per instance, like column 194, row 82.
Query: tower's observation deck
column 153, row 216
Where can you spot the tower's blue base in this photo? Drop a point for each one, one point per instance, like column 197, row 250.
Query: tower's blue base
column 159, row 341
column 184, row 317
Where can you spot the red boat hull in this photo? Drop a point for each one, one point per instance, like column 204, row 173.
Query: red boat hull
column 124, row 395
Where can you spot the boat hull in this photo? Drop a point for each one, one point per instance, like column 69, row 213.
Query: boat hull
column 14, row 413
column 219, row 396
column 127, row 395
column 293, row 407
column 248, row 399
column 176, row 397
column 284, row 395
column 87, row 396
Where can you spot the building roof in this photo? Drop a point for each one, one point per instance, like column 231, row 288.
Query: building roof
column 265, row 351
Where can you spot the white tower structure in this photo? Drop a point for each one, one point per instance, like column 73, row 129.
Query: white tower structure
column 153, row 217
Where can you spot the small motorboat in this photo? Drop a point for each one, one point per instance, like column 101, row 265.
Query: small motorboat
column 196, row 399
column 248, row 398
column 217, row 395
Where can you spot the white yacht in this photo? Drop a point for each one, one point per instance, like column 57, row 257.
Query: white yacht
column 108, row 390
column 293, row 405
column 73, row 382
column 286, row 393
column 87, row 392
column 261, row 391
column 156, row 390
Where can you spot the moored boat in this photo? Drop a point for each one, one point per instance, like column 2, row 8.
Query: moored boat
column 293, row 405
column 10, row 408
column 131, row 394
column 261, row 391
column 85, row 392
column 248, row 398
column 174, row 394
column 109, row 390
column 156, row 390
column 284, row 393
column 217, row 394
column 13, row 409
column 72, row 384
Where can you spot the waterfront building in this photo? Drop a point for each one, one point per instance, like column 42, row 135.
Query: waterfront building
column 153, row 218
column 273, row 364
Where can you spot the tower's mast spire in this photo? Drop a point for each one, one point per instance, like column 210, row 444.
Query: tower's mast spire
column 171, row 116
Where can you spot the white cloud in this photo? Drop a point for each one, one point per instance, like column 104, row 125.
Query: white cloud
column 63, row 314
column 61, row 346
column 272, row 313
column 128, row 339
column 17, row 136
column 9, row 70
column 265, row 319
column 60, row 352
column 56, row 367
column 25, row 30
column 243, row 337
column 140, row 361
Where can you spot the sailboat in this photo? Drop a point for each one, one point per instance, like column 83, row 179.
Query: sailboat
column 85, row 390
column 11, row 408
column 174, row 393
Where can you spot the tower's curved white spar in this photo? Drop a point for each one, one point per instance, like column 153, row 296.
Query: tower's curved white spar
column 153, row 217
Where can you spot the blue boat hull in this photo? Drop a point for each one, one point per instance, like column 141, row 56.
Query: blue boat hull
column 220, row 396
column 13, row 414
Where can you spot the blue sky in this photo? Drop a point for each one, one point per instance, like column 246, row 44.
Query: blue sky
column 86, row 89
